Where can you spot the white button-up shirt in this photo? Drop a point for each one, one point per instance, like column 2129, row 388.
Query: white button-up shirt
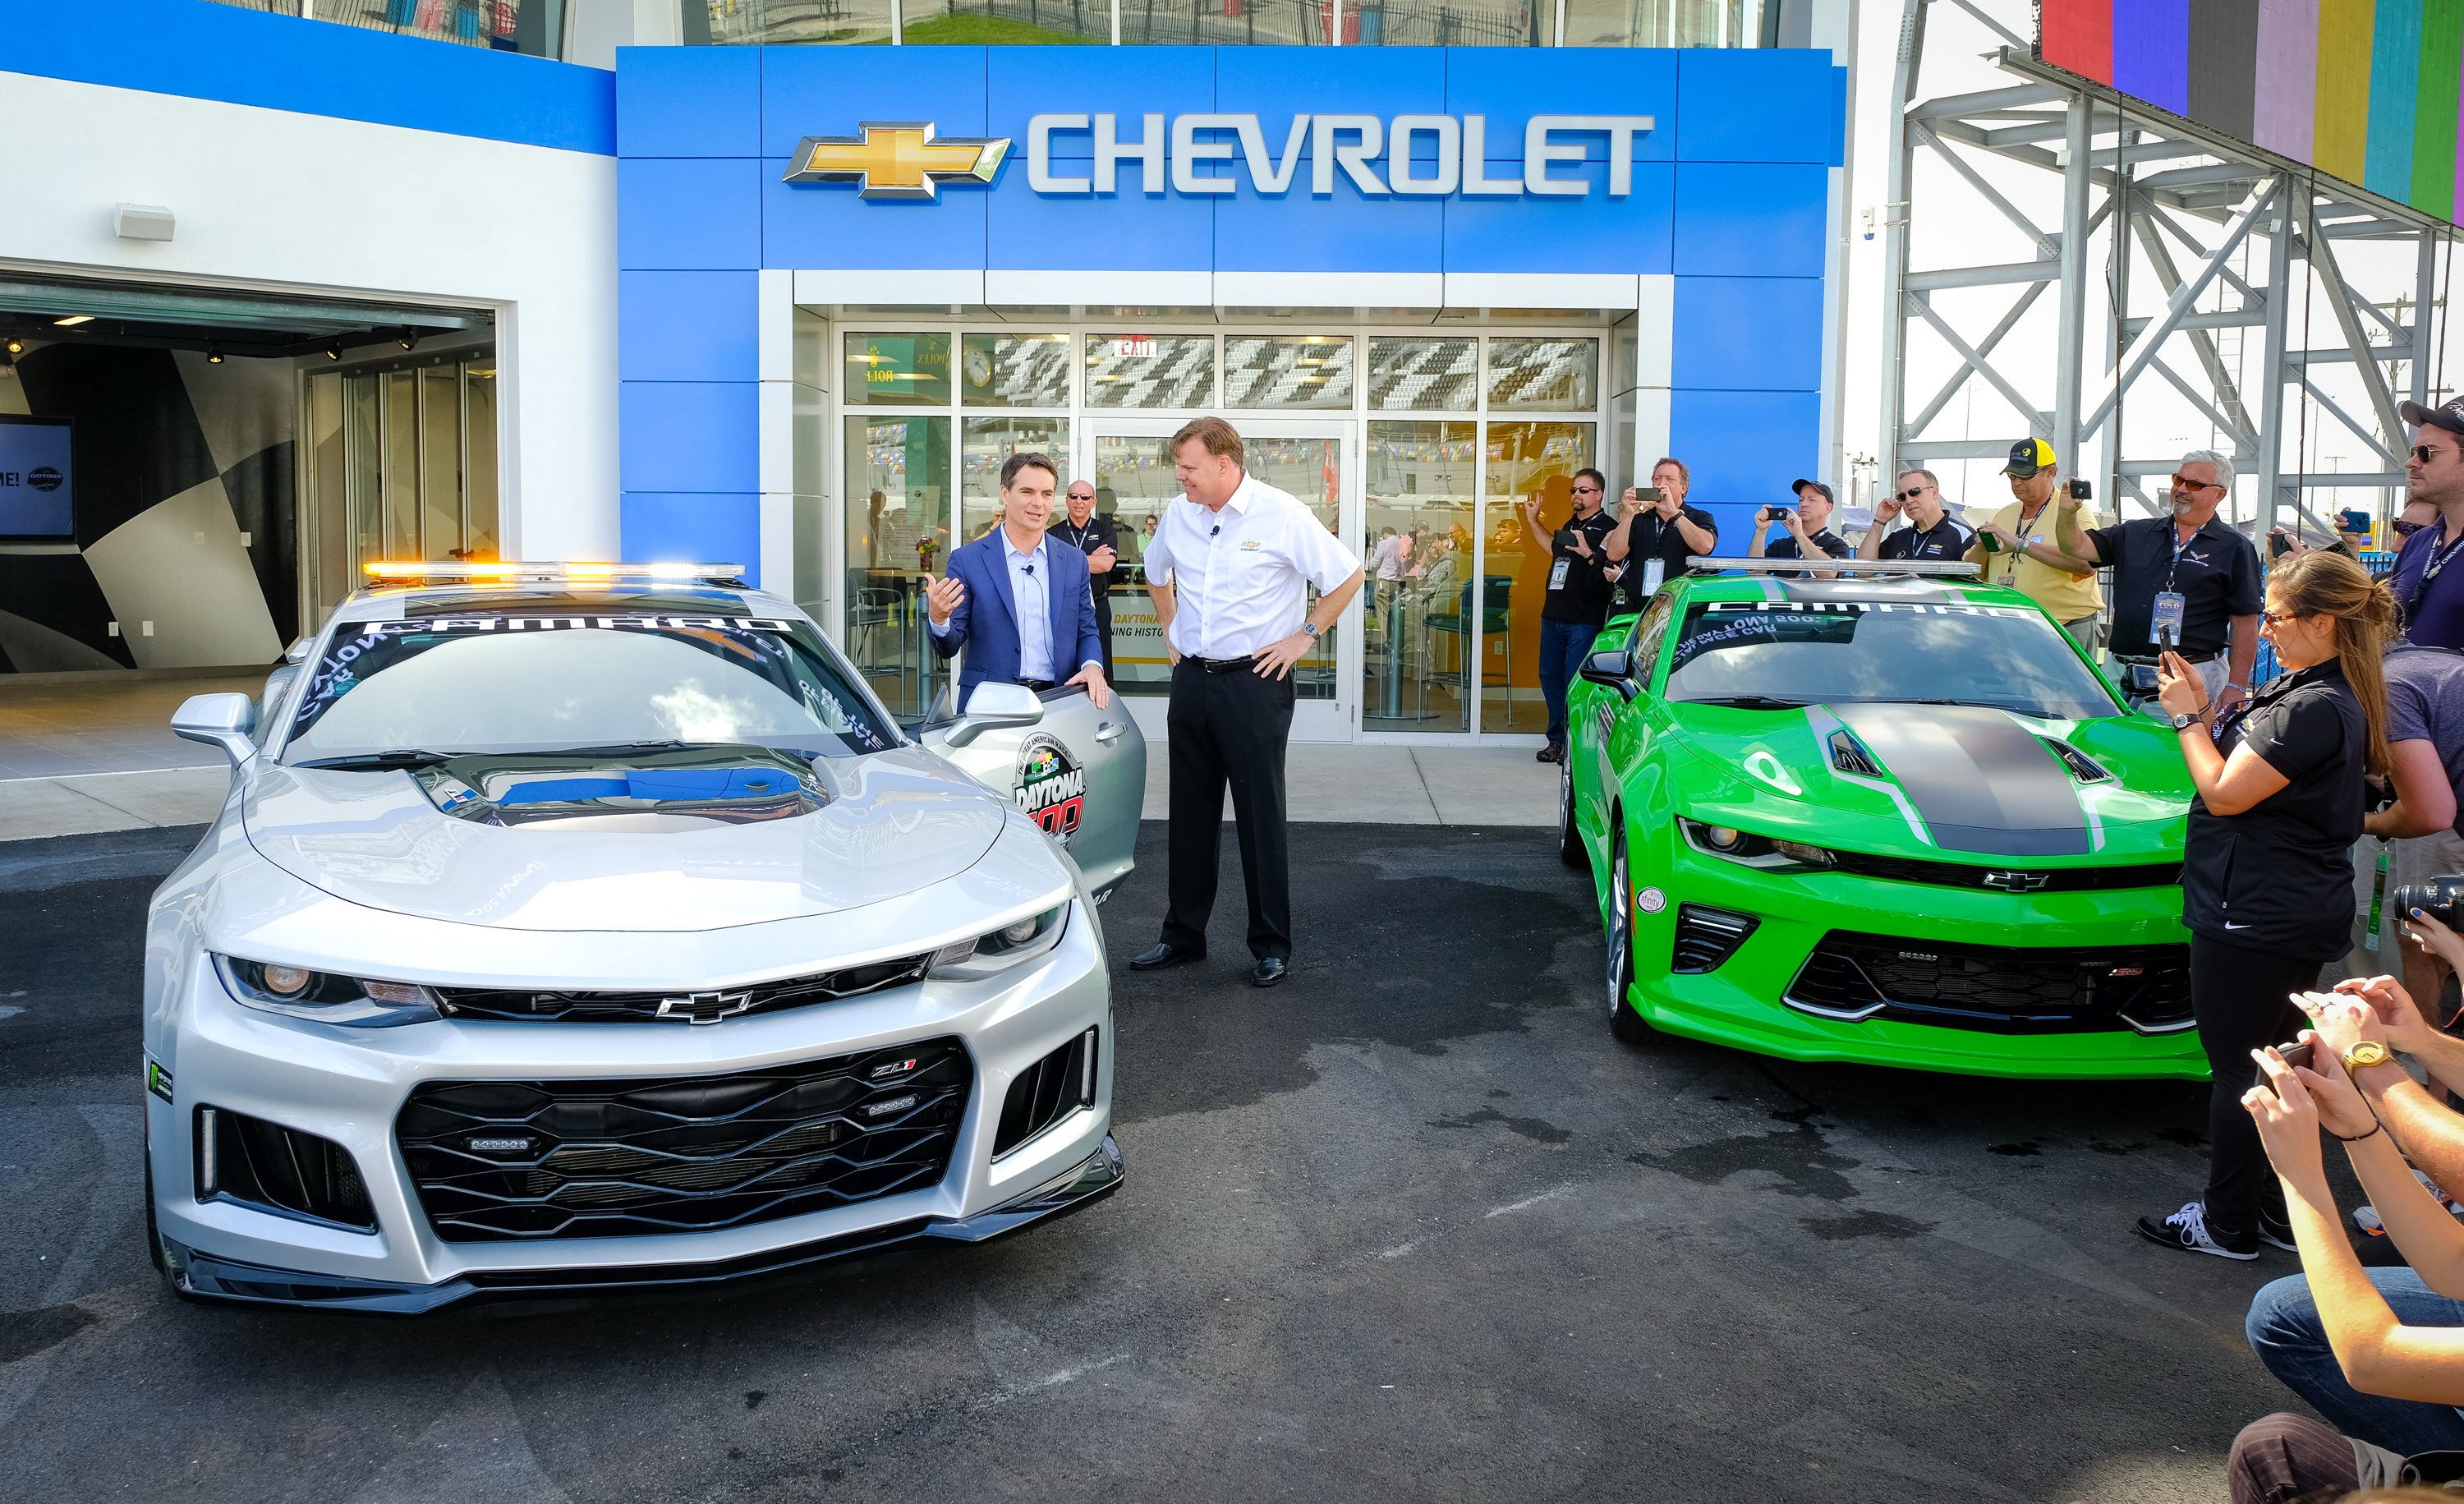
column 1238, row 574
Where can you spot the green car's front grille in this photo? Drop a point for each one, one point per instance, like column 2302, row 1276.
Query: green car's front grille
column 2006, row 879
column 2008, row 990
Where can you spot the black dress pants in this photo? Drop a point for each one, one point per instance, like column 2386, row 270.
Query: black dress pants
column 1104, row 624
column 1228, row 729
column 2240, row 999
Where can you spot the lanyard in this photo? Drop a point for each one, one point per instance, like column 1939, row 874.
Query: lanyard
column 2438, row 558
column 2180, row 543
column 2026, row 536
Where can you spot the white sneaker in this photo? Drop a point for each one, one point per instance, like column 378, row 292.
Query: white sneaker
column 2366, row 1217
column 2187, row 1230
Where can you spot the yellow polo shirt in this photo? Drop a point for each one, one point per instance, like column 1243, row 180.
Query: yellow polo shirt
column 2066, row 597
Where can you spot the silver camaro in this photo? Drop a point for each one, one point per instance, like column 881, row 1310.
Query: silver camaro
column 569, row 928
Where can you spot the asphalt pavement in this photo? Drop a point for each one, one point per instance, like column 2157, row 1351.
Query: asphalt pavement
column 1410, row 1226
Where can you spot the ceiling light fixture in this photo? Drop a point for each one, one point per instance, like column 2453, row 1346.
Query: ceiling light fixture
column 16, row 345
column 409, row 339
column 72, row 320
column 214, row 355
column 333, row 349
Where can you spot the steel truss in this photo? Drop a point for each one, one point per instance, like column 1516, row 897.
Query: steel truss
column 2198, row 239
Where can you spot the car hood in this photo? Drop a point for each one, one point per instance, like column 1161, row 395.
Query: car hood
column 1942, row 778
column 885, row 825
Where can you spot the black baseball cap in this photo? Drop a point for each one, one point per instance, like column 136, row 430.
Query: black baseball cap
column 2450, row 417
column 2028, row 457
column 1798, row 488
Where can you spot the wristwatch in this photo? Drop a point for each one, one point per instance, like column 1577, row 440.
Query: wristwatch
column 1308, row 629
column 2186, row 722
column 2366, row 1054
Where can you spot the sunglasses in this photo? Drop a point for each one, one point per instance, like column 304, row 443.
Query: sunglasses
column 2426, row 453
column 2277, row 618
column 2182, row 482
column 2404, row 529
column 1910, row 494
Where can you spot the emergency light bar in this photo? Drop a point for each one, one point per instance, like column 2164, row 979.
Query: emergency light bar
column 1942, row 568
column 399, row 571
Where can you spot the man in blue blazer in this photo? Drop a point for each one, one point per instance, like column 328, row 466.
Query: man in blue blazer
column 1020, row 609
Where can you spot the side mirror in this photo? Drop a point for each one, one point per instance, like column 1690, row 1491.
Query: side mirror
column 297, row 652
column 992, row 707
column 222, row 720
column 1613, row 666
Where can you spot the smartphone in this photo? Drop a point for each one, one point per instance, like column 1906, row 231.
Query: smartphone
column 2078, row 490
column 1993, row 545
column 2299, row 1055
column 2276, row 546
column 1650, row 495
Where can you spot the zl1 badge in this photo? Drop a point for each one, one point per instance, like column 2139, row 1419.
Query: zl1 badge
column 1051, row 787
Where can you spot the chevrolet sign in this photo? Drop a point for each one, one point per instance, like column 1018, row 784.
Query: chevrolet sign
column 1427, row 155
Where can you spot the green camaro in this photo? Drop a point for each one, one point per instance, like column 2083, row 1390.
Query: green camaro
column 1892, row 819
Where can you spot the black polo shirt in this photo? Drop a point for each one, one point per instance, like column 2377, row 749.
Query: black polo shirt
column 1098, row 533
column 2278, row 877
column 2219, row 577
column 1946, row 539
column 1648, row 538
column 1825, row 540
column 1581, row 593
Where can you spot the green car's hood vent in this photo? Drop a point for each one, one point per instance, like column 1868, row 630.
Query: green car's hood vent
column 1980, row 781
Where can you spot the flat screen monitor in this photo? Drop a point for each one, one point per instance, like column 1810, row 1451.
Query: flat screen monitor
column 37, row 480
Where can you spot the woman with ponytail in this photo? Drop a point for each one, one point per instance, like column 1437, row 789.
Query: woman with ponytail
column 2267, row 876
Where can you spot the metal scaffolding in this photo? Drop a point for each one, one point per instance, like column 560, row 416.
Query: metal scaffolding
column 2198, row 239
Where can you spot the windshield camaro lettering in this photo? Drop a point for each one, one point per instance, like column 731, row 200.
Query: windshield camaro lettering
column 1407, row 156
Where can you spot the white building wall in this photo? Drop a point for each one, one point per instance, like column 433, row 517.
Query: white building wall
column 279, row 201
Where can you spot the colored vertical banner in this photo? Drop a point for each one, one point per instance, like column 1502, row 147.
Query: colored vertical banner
column 2078, row 34
column 2151, row 51
column 2395, row 72
column 2339, row 132
column 2435, row 113
column 2287, row 74
column 2224, row 65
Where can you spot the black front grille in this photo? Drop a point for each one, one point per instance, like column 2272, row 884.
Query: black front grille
column 2008, row 879
column 281, row 1169
column 1706, row 938
column 1046, row 1092
column 1997, row 988
column 679, row 1004
column 497, row 1160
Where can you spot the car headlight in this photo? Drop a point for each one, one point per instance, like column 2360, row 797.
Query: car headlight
column 1753, row 851
column 325, row 996
column 998, row 950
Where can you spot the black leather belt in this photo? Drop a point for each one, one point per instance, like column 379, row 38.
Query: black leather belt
column 1228, row 665
column 1037, row 685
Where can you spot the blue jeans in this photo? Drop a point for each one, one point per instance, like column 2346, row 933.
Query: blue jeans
column 1563, row 646
column 2284, row 1332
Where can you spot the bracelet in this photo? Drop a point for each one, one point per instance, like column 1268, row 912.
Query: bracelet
column 2244, row 688
column 2355, row 1139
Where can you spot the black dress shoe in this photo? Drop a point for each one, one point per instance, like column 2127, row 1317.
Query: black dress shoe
column 1160, row 955
column 1269, row 971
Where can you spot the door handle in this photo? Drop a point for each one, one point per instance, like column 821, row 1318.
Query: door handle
column 1110, row 731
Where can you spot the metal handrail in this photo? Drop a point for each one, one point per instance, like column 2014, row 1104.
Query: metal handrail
column 1942, row 568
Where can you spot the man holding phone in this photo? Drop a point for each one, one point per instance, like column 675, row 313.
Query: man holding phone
column 1578, row 595
column 1808, row 528
column 2430, row 593
column 2184, row 582
column 1931, row 533
column 2070, row 597
column 1660, row 534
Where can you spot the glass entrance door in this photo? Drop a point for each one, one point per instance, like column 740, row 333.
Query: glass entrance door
column 1314, row 460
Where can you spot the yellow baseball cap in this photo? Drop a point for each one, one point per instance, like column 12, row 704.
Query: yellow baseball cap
column 2027, row 456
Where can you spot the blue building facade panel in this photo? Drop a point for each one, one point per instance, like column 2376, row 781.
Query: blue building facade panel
column 1733, row 177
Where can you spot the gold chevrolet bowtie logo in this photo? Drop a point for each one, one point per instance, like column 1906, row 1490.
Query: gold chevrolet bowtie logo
column 895, row 161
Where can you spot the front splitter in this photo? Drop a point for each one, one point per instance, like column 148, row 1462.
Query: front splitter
column 203, row 1275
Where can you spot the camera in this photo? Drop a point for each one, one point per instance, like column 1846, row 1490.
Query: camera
column 2078, row 490
column 1772, row 514
column 2440, row 897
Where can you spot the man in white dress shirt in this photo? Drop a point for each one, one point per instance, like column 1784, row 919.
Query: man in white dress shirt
column 1227, row 567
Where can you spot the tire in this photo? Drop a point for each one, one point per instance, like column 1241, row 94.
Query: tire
column 1624, row 1023
column 1570, row 840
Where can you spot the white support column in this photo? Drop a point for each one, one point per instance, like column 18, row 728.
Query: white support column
column 2272, row 365
column 1895, row 241
column 2070, row 343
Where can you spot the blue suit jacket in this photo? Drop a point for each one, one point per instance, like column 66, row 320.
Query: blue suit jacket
column 985, row 623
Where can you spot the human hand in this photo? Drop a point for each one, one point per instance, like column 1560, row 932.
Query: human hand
column 1669, row 507
column 2342, row 1020
column 1093, row 677
column 2339, row 1102
column 943, row 596
column 1102, row 560
column 1791, row 519
column 2179, row 689
column 1889, row 509
column 2288, row 1122
column 1582, row 545
column 1277, row 661
column 1532, row 509
column 2066, row 499
column 2001, row 535
column 2406, row 1029
column 2433, row 936
column 1631, row 503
